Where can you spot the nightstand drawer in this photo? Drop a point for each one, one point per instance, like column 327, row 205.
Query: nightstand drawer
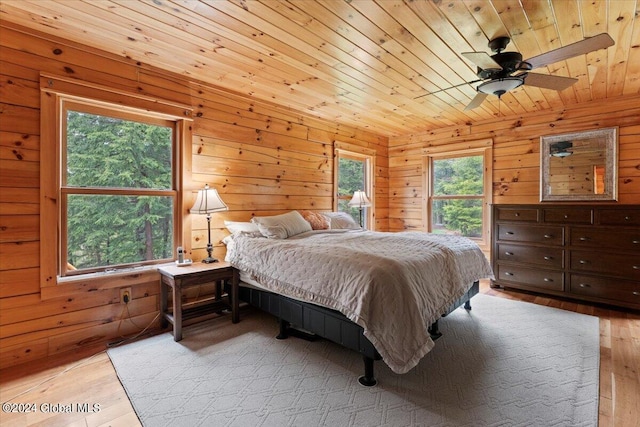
column 534, row 277
column 550, row 257
column 531, row 234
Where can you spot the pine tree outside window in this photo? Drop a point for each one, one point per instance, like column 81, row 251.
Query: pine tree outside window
column 117, row 189
column 458, row 188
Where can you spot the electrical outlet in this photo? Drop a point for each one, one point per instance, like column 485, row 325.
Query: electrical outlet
column 125, row 295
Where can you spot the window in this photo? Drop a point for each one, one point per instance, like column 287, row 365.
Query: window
column 117, row 194
column 458, row 189
column 353, row 173
column 110, row 180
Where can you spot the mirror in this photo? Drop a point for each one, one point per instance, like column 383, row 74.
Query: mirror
column 579, row 166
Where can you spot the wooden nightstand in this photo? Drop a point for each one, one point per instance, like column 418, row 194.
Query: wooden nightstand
column 179, row 278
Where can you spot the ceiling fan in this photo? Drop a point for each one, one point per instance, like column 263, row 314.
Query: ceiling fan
column 561, row 149
column 496, row 72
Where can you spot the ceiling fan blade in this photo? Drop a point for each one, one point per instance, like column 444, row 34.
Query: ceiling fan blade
column 601, row 41
column 482, row 60
column 447, row 88
column 546, row 81
column 476, row 101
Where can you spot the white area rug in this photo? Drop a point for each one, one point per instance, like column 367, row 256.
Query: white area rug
column 504, row 363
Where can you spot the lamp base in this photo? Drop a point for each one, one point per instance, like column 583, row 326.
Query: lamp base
column 209, row 260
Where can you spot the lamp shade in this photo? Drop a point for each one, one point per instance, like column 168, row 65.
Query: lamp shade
column 359, row 200
column 207, row 201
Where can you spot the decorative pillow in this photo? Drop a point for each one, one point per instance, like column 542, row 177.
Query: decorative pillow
column 281, row 226
column 317, row 221
column 342, row 220
column 234, row 226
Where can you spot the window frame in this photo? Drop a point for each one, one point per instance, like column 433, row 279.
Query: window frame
column 67, row 190
column 368, row 187
column 57, row 93
column 486, row 152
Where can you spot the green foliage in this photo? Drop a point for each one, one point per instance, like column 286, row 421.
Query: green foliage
column 351, row 175
column 462, row 176
column 105, row 230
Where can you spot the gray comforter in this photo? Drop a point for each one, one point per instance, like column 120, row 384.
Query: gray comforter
column 392, row 284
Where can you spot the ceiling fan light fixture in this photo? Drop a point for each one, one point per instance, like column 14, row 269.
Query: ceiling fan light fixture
column 499, row 87
column 562, row 154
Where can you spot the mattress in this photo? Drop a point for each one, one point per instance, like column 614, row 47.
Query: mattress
column 392, row 284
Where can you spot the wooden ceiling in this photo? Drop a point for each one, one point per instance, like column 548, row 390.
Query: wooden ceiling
column 358, row 62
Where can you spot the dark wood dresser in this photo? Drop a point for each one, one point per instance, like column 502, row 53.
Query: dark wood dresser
column 586, row 252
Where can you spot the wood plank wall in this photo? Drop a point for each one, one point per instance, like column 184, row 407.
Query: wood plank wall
column 516, row 154
column 263, row 159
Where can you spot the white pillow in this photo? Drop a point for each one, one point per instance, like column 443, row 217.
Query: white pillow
column 234, row 226
column 341, row 220
column 282, row 226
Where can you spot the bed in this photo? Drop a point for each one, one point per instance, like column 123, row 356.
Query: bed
column 374, row 292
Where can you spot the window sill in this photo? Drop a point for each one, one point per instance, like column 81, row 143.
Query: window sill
column 73, row 285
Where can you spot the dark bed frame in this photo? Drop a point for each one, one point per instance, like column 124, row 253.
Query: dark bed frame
column 310, row 321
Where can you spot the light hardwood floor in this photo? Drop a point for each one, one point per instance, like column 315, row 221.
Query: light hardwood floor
column 90, row 378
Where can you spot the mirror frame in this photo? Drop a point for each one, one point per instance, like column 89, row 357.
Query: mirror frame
column 610, row 136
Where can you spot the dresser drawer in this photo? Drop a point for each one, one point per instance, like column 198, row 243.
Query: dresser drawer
column 550, row 257
column 616, row 265
column 533, row 277
column 531, row 234
column 619, row 239
column 568, row 215
column 517, row 214
column 602, row 287
column 618, row 216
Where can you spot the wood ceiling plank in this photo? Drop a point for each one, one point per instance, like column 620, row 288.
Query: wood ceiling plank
column 408, row 47
column 350, row 58
column 622, row 15
column 632, row 79
column 538, row 13
column 325, row 24
column 396, row 86
column 593, row 15
column 405, row 26
column 569, row 25
column 342, row 18
column 196, row 12
column 295, row 47
column 294, row 80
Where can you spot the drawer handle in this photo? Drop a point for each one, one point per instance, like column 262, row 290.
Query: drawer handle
column 510, row 233
column 548, row 236
column 508, row 253
column 627, row 218
column 548, row 258
column 636, row 293
column 585, row 285
column 584, row 239
column 583, row 262
column 566, row 217
column 508, row 274
column 546, row 279
column 636, row 267
column 635, row 242
column 517, row 213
